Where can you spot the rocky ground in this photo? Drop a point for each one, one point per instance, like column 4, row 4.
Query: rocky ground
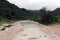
column 30, row 30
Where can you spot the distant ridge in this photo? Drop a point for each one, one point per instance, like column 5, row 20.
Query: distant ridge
column 34, row 11
column 12, row 12
column 56, row 11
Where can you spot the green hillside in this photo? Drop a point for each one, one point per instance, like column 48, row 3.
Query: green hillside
column 11, row 12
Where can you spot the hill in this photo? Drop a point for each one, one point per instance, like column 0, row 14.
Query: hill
column 57, row 11
column 12, row 12
column 34, row 11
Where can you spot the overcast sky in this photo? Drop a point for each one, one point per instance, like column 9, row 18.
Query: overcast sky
column 36, row 4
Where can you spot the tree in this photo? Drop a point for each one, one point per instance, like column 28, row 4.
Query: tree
column 46, row 16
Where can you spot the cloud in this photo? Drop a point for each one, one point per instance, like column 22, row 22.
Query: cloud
column 36, row 4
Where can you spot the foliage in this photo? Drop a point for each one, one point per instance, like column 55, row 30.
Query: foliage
column 47, row 17
column 12, row 12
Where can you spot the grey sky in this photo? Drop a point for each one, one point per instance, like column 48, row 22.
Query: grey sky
column 36, row 4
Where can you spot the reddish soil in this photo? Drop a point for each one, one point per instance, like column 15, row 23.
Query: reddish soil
column 53, row 31
column 10, row 32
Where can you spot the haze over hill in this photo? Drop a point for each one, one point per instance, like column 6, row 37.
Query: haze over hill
column 10, row 12
column 36, row 4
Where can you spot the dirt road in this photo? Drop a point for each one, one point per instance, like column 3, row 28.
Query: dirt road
column 34, row 31
column 10, row 32
column 30, row 30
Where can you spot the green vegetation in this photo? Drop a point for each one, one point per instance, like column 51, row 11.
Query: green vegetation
column 10, row 12
column 3, row 20
column 47, row 17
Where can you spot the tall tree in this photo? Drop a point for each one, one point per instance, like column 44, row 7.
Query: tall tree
column 46, row 16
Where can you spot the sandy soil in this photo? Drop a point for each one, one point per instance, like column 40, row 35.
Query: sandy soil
column 53, row 31
column 30, row 30
column 10, row 32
